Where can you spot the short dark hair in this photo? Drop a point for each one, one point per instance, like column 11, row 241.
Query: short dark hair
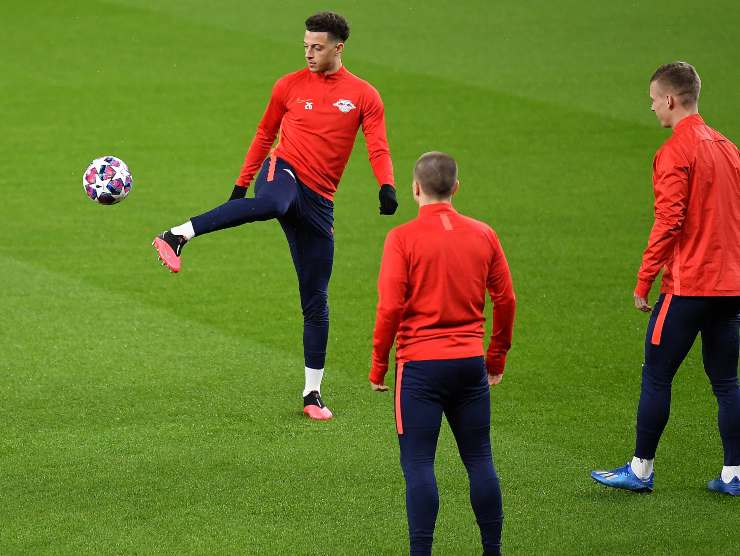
column 681, row 78
column 436, row 173
column 329, row 22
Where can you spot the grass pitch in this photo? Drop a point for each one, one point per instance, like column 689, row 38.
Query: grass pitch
column 148, row 413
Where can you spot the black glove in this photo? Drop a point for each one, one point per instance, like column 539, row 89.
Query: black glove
column 387, row 196
column 238, row 193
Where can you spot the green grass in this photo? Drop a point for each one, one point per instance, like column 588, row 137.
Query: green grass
column 148, row 413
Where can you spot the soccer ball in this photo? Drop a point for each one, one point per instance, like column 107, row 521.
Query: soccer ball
column 107, row 180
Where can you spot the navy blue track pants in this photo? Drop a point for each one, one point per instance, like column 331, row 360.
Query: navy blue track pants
column 674, row 325
column 307, row 219
column 459, row 389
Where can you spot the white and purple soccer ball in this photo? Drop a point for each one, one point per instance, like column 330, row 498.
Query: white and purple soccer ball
column 107, row 180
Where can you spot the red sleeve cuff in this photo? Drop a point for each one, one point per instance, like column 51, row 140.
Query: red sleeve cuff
column 642, row 289
column 495, row 364
column 377, row 374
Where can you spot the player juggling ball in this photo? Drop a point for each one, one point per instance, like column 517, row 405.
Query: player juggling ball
column 433, row 280
column 316, row 113
column 695, row 241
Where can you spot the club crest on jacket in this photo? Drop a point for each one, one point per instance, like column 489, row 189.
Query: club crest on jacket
column 344, row 105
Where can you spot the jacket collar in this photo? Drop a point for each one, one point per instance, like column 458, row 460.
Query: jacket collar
column 435, row 208
column 337, row 75
column 688, row 121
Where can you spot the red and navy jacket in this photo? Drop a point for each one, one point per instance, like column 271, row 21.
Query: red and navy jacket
column 318, row 116
column 695, row 238
column 432, row 285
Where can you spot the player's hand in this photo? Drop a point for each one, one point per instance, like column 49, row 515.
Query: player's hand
column 238, row 193
column 387, row 196
column 378, row 387
column 493, row 380
column 642, row 304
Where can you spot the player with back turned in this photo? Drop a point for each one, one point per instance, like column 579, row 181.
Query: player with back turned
column 433, row 280
column 695, row 240
column 316, row 113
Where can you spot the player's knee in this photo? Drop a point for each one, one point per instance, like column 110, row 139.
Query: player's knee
column 654, row 380
column 316, row 311
column 726, row 388
column 421, row 480
column 418, row 466
column 478, row 463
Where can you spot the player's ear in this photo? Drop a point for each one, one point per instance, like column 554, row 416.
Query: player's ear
column 455, row 188
column 340, row 47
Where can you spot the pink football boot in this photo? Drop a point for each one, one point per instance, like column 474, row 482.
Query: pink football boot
column 169, row 246
column 314, row 408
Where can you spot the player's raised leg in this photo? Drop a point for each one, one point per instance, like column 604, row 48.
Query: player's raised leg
column 720, row 348
column 275, row 192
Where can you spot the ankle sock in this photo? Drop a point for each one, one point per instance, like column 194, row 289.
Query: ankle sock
column 313, row 380
column 185, row 230
column 643, row 468
column 729, row 472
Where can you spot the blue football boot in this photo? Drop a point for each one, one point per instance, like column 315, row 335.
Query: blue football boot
column 624, row 478
column 718, row 485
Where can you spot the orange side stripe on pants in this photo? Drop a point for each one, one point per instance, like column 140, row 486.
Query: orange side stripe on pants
column 271, row 168
column 399, row 380
column 658, row 330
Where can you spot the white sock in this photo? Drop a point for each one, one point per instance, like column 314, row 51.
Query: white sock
column 643, row 468
column 184, row 230
column 730, row 471
column 313, row 380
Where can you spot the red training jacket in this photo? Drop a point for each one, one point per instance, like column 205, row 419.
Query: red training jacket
column 696, row 235
column 318, row 117
column 431, row 291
